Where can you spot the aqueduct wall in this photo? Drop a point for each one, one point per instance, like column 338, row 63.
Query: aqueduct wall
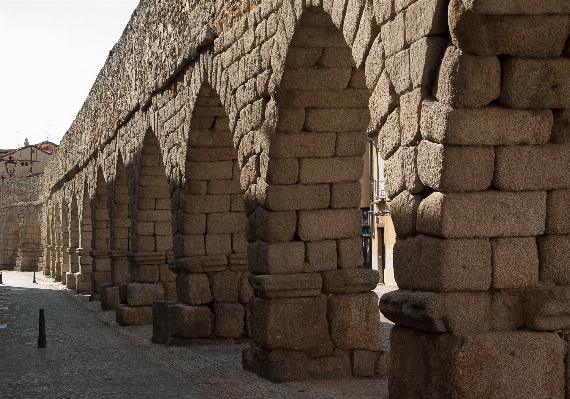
column 209, row 186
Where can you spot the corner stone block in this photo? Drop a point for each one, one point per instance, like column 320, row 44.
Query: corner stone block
column 461, row 215
column 276, row 258
column 320, row 255
column 355, row 321
column 532, row 167
column 438, row 312
column 349, row 253
column 275, row 226
column 327, row 224
column 394, row 174
column 426, row 18
column 425, row 59
column 442, row 265
column 389, row 135
column 363, row 363
column 228, row 320
column 290, row 323
column 536, row 36
column 547, row 309
column 490, row 125
column 413, row 183
column 455, row 168
column 515, row 262
column 404, row 209
column 561, row 125
column 349, row 281
column 553, row 253
column 468, row 81
column 526, row 365
column 535, row 83
column 557, row 215
column 410, row 107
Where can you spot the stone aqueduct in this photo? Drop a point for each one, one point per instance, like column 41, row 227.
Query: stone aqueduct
column 210, row 186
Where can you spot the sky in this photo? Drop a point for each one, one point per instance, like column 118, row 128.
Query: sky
column 50, row 55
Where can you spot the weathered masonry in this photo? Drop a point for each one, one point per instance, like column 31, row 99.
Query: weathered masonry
column 210, row 186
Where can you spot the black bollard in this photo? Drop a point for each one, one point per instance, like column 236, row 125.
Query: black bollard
column 34, row 278
column 1, row 278
column 42, row 339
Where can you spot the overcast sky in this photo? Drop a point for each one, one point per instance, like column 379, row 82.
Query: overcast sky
column 50, row 54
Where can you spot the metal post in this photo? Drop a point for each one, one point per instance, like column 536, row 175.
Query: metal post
column 1, row 278
column 34, row 278
column 42, row 339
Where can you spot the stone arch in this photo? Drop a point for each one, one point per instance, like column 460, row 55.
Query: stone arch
column 83, row 277
column 30, row 251
column 10, row 241
column 151, row 244
column 303, row 199
column 100, row 236
column 209, row 243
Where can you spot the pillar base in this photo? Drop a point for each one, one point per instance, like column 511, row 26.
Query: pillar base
column 109, row 297
column 134, row 315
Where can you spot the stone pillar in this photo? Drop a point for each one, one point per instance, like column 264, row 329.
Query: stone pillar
column 83, row 277
column 56, row 275
column 71, row 279
column 65, row 264
column 101, row 272
column 148, row 273
column 120, row 274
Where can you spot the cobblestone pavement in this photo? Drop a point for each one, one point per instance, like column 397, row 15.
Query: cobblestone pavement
column 89, row 356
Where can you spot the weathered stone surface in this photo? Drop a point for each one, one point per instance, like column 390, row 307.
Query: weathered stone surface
column 389, row 135
column 297, row 196
column 398, row 68
column 335, row 120
column 276, row 258
column 404, row 210
column 442, row 265
column 330, row 170
column 425, row 59
column 349, row 252
column 228, row 320
column 535, row 83
column 134, row 315
column 286, row 285
column 525, row 364
column 173, row 319
column 439, row 312
column 553, row 256
column 411, row 176
column 532, row 167
column 303, row 144
column 426, row 18
column 290, row 323
column 109, row 297
column 394, row 175
column 410, row 107
column 275, row 226
column 515, row 262
column 484, row 126
column 538, row 36
column 393, row 35
column 547, row 309
column 519, row 7
column 374, row 62
column 193, row 288
column 224, row 286
column 354, row 321
column 345, row 195
column 455, row 168
column 383, row 100
column 144, row 294
column 468, row 81
column 349, row 281
column 320, row 255
column 557, row 215
column 342, row 223
column 561, row 126
column 507, row 214
column 363, row 363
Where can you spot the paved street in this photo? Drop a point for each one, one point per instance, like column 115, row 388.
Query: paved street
column 89, row 356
